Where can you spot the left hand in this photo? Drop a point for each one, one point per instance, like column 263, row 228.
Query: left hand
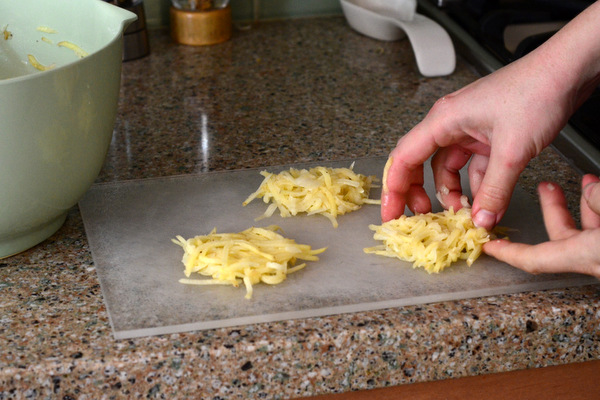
column 569, row 249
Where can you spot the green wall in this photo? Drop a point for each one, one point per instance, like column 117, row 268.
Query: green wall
column 157, row 11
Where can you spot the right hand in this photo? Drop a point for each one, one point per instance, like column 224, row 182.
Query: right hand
column 499, row 123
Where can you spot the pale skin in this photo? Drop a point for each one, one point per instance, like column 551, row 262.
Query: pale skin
column 569, row 249
column 496, row 125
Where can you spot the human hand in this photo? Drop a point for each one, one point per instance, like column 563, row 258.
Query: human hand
column 498, row 123
column 569, row 249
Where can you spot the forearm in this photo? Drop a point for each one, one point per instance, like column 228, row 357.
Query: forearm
column 572, row 57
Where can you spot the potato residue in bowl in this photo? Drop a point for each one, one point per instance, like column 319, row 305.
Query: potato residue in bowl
column 37, row 65
column 6, row 33
column 32, row 59
column 432, row 241
column 319, row 190
column 73, row 47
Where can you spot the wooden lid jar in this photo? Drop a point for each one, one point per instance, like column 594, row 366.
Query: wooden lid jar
column 201, row 28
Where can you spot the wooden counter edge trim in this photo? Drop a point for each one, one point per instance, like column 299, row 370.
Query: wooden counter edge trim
column 570, row 381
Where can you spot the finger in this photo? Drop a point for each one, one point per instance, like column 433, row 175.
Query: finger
column 590, row 202
column 405, row 171
column 393, row 202
column 417, row 200
column 416, row 197
column 408, row 156
column 477, row 168
column 495, row 191
column 547, row 257
column 392, row 205
column 446, row 165
column 439, row 129
column 550, row 257
column 398, row 177
column 557, row 218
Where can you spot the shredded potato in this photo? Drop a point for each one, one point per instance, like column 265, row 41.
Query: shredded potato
column 320, row 190
column 386, row 170
column 37, row 65
column 78, row 50
column 32, row 59
column 252, row 256
column 6, row 33
column 432, row 241
column 46, row 29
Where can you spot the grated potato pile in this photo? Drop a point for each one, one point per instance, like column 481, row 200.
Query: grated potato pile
column 251, row 256
column 432, row 241
column 320, row 190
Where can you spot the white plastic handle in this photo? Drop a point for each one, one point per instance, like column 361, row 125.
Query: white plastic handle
column 433, row 48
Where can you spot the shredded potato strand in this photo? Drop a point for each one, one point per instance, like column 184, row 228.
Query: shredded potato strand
column 320, row 190
column 72, row 46
column 46, row 29
column 432, row 241
column 6, row 33
column 249, row 257
column 33, row 60
column 37, row 65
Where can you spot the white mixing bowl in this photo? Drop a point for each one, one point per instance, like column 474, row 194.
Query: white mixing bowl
column 55, row 125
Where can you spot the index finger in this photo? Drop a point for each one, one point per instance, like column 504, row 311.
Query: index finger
column 403, row 173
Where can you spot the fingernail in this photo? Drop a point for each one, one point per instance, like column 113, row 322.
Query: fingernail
column 485, row 219
column 588, row 189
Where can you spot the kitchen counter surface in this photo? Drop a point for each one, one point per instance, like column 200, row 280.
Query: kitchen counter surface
column 281, row 92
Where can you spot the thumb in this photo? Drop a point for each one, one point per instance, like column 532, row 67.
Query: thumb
column 492, row 198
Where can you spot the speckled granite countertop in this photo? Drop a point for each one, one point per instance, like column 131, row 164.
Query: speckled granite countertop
column 282, row 92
